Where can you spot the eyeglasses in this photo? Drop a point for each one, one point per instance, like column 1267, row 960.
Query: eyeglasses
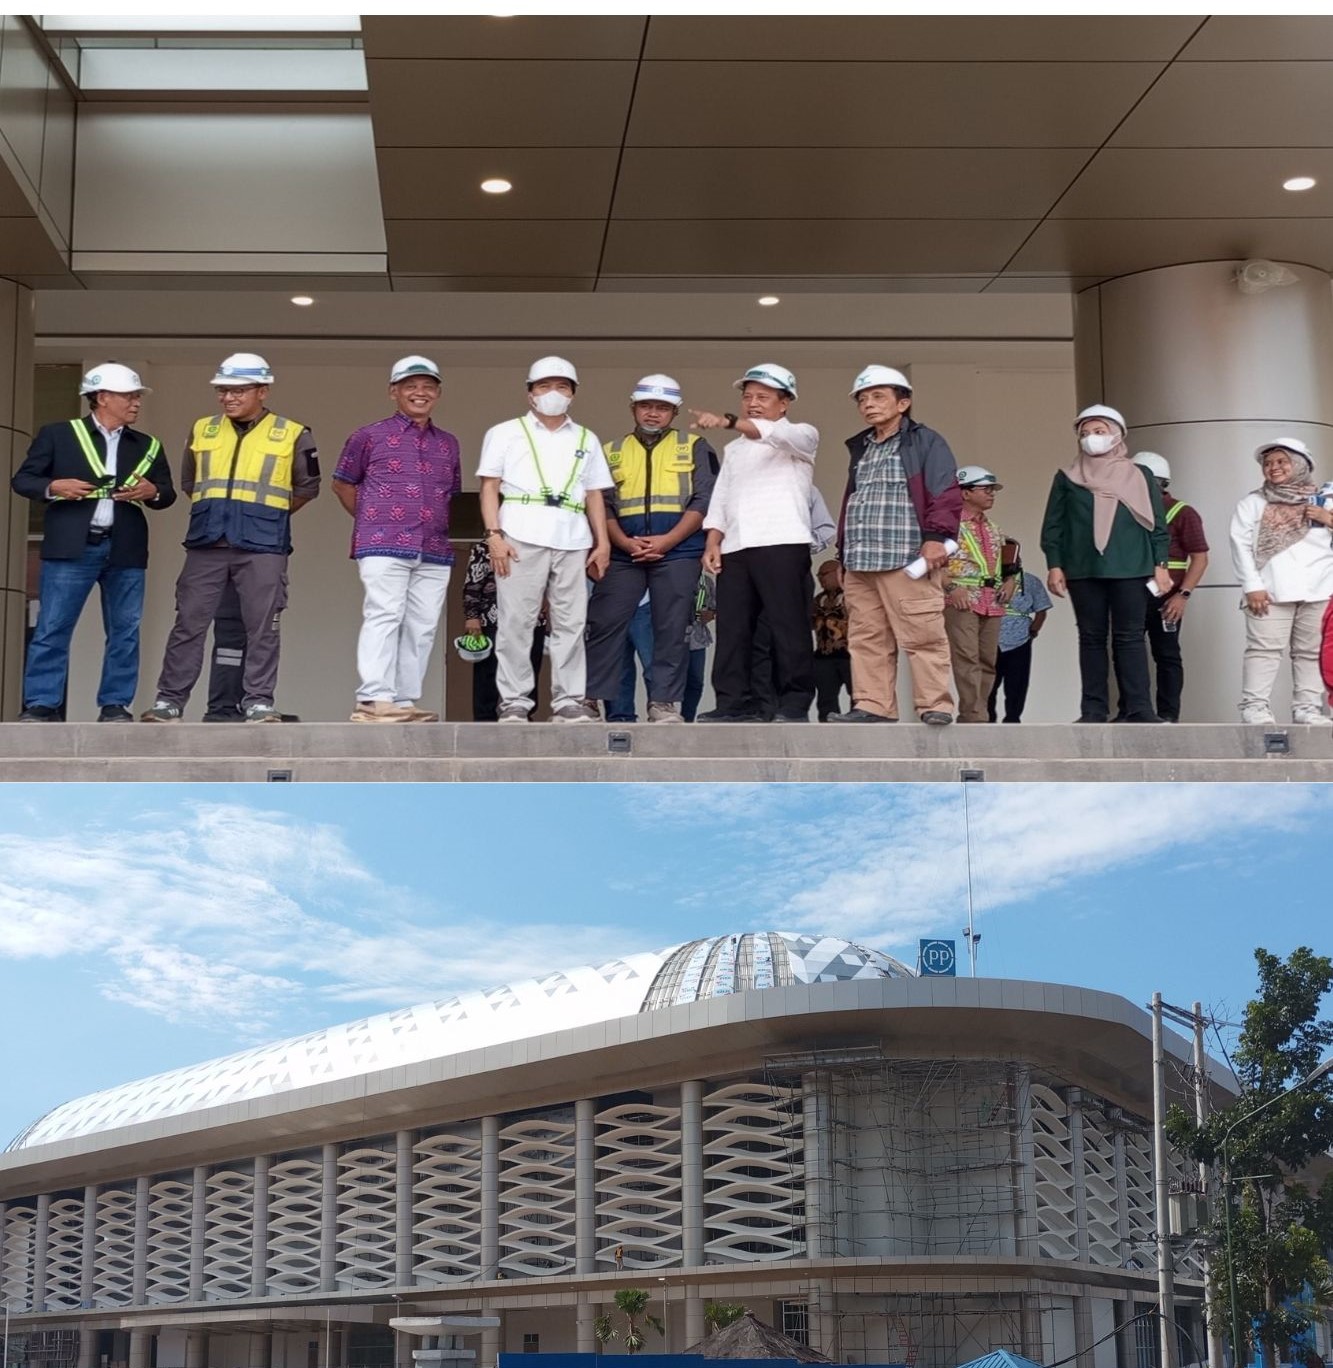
column 232, row 391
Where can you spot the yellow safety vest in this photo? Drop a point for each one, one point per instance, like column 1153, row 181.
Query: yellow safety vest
column 656, row 481
column 1170, row 518
column 972, row 544
column 257, row 469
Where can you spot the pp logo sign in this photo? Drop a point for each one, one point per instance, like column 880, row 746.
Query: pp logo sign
column 936, row 959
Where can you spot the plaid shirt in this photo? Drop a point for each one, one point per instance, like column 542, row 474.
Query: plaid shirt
column 881, row 530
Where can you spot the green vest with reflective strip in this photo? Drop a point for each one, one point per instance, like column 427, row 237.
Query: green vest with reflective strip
column 1170, row 518
column 105, row 481
column 656, row 481
column 548, row 496
column 973, row 546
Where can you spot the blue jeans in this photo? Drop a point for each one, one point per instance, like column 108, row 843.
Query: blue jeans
column 694, row 683
column 65, row 586
column 640, row 642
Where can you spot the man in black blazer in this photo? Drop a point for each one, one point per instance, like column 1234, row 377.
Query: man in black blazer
column 94, row 474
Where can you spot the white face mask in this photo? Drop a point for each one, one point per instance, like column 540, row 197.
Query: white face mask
column 1098, row 443
column 650, row 431
column 551, row 404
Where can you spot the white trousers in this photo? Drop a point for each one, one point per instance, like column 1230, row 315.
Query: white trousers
column 1292, row 627
column 561, row 579
column 404, row 600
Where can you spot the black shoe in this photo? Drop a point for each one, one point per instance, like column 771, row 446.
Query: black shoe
column 792, row 717
column 1140, row 717
column 225, row 715
column 114, row 712
column 718, row 715
column 37, row 712
column 1096, row 721
column 860, row 715
column 937, row 719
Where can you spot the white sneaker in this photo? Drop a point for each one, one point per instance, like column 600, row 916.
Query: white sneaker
column 512, row 712
column 664, row 712
column 1258, row 714
column 574, row 712
column 1310, row 717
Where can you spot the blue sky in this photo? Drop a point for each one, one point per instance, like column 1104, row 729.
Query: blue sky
column 147, row 927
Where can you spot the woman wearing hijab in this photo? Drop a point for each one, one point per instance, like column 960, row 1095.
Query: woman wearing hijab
column 1283, row 554
column 1104, row 537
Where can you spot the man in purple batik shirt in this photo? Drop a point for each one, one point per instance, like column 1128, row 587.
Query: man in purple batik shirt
column 396, row 478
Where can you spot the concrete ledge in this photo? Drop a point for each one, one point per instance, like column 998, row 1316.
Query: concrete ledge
column 551, row 753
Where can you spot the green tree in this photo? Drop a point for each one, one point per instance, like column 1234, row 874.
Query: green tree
column 1279, row 1228
column 719, row 1315
column 632, row 1303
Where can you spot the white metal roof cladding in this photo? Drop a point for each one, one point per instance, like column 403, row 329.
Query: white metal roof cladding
column 573, row 997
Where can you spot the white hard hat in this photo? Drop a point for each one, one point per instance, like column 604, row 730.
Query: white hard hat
column 977, row 477
column 1101, row 411
column 880, row 375
column 552, row 368
column 413, row 365
column 770, row 374
column 660, row 387
column 1293, row 444
column 243, row 368
column 1151, row 461
column 114, row 377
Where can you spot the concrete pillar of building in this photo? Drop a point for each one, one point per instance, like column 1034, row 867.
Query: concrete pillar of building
column 196, row 1349
column 1022, row 1162
column 328, row 1221
column 492, row 1342
column 822, row 1321
column 88, row 1348
column 1126, row 1351
column 1030, row 1328
column 198, row 1215
column 585, row 1314
column 141, row 1348
column 694, row 1318
column 692, row 1173
column 41, row 1243
column 404, row 1190
column 1083, row 1331
column 259, row 1249
column 88, row 1256
column 142, row 1195
column 1079, row 1171
column 259, row 1350
column 816, row 1143
column 1203, row 373
column 403, row 1345
column 490, row 1196
column 324, row 1347
column 16, row 334
column 585, row 1185
column 1122, row 1226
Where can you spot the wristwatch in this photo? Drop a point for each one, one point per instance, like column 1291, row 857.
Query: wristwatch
column 1185, row 593
column 731, row 419
column 495, row 531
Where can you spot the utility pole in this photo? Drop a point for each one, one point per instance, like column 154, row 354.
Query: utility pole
column 1166, row 1289
column 1216, row 1352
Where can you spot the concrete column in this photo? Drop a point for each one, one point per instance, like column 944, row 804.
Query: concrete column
column 585, row 1185
column 259, row 1250
column 694, row 1319
column 1083, row 1331
column 141, row 1343
column 1031, row 1329
column 823, row 1323
column 41, row 1242
column 88, row 1254
column 1125, row 1348
column 16, row 333
column 1022, row 1161
column 585, row 1313
column 260, row 1350
column 196, row 1349
column 1078, row 1163
column 1203, row 374
column 1122, row 1228
column 490, row 1196
column 328, row 1222
column 692, row 1174
column 403, row 1346
column 492, row 1341
column 404, row 1192
column 816, row 1143
column 325, row 1347
column 141, row 1196
column 198, row 1213
column 88, row 1349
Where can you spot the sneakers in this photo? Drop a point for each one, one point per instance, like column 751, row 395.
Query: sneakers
column 162, row 711
column 115, row 712
column 937, row 719
column 1310, row 717
column 859, row 715
column 39, row 712
column 1258, row 714
column 262, row 712
column 575, row 712
column 376, row 710
column 664, row 712
column 512, row 712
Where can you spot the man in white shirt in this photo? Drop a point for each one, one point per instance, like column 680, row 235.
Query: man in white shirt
column 758, row 545
column 542, row 478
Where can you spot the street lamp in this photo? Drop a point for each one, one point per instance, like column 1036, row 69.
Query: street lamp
column 1237, row 1350
column 666, row 1328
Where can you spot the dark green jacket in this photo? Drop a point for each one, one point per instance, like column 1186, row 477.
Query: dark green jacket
column 1066, row 535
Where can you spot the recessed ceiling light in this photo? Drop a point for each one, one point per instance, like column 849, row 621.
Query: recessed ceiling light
column 1299, row 183
column 305, row 301
column 769, row 300
column 497, row 185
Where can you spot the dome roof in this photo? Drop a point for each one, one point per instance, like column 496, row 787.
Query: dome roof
column 647, row 982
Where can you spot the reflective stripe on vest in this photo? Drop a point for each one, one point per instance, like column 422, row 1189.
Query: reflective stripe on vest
column 973, row 546
column 660, row 480
column 548, row 496
column 256, row 469
column 1170, row 518
column 101, row 475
